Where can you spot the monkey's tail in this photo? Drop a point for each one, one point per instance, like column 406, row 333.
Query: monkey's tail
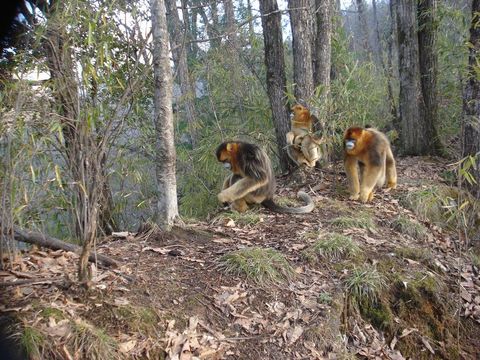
column 270, row 204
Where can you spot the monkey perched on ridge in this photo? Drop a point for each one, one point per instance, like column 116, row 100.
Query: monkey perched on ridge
column 302, row 144
column 369, row 150
column 252, row 180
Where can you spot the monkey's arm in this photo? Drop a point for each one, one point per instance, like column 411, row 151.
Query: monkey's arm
column 352, row 177
column 391, row 170
column 240, row 189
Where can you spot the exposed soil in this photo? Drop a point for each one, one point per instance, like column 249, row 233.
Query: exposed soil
column 172, row 299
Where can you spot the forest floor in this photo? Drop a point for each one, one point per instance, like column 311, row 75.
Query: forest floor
column 385, row 280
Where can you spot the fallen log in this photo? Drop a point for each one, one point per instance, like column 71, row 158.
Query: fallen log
column 40, row 239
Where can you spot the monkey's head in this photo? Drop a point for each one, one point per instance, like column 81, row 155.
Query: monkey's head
column 227, row 154
column 353, row 138
column 299, row 110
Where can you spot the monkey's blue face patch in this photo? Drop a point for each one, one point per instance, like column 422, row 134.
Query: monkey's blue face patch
column 349, row 144
column 227, row 165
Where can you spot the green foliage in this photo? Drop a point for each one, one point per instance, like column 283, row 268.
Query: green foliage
column 261, row 265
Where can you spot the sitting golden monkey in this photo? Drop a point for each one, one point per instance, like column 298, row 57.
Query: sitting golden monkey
column 369, row 150
column 303, row 147
column 252, row 180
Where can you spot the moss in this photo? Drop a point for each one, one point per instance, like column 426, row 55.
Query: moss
column 422, row 255
column 378, row 313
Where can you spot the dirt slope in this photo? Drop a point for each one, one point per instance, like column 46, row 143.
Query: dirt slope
column 408, row 291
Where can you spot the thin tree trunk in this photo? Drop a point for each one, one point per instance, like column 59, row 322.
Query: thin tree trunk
column 427, row 29
column 323, row 45
column 211, row 27
column 362, row 20
column 379, row 58
column 300, row 20
column 471, row 99
column 231, row 24
column 163, row 119
column 179, row 52
column 251, row 30
column 378, row 41
column 411, row 104
column 389, row 71
column 276, row 80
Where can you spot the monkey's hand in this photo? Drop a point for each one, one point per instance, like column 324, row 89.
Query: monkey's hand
column 225, row 197
column 354, row 197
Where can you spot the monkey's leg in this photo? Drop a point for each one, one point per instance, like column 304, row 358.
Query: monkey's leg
column 290, row 137
column 296, row 155
column 371, row 175
column 310, row 151
column 391, row 171
column 240, row 189
column 240, row 205
column 381, row 176
column 351, row 168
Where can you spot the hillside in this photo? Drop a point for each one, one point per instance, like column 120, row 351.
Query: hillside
column 384, row 280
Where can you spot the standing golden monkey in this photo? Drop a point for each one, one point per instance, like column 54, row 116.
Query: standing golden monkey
column 369, row 150
column 302, row 144
column 252, row 180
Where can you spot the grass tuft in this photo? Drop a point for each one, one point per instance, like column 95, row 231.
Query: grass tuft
column 250, row 217
column 403, row 224
column 32, row 341
column 365, row 284
column 333, row 246
column 92, row 342
column 258, row 264
column 362, row 220
column 422, row 255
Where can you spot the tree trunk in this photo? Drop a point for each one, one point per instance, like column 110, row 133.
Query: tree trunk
column 251, row 30
column 323, row 45
column 276, row 80
column 211, row 27
column 427, row 29
column 378, row 40
column 471, row 99
column 389, row 71
column 231, row 24
column 363, row 23
column 179, row 54
column 40, row 239
column 301, row 24
column 163, row 119
column 411, row 104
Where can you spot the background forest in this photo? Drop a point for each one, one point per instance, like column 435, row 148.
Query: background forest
column 84, row 68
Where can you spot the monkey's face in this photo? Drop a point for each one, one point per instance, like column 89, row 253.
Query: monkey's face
column 226, row 154
column 351, row 137
column 297, row 109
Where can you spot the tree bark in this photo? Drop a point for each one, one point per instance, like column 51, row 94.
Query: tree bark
column 276, row 80
column 302, row 40
column 39, row 239
column 427, row 29
column 178, row 44
column 231, row 23
column 390, row 67
column 411, row 104
column 363, row 23
column 471, row 99
column 323, row 45
column 163, row 120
